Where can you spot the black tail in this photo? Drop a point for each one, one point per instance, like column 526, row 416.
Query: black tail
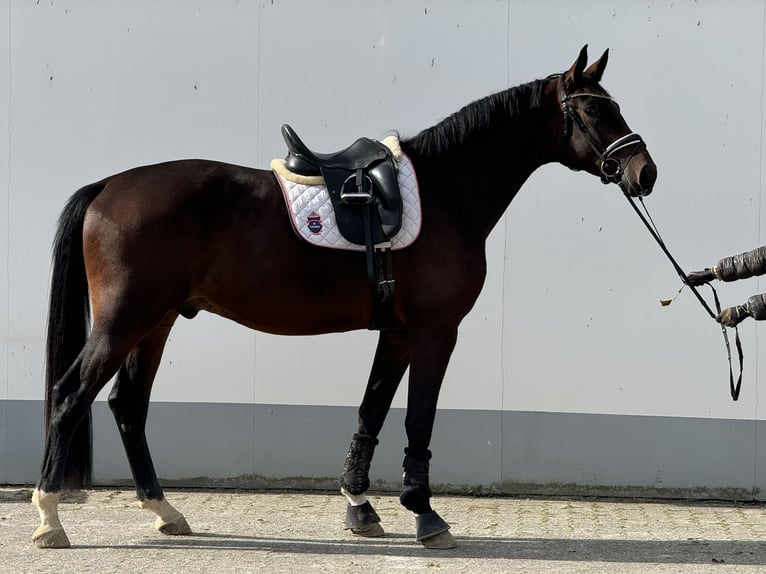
column 69, row 323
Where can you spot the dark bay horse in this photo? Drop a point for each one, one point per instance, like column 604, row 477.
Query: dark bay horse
column 137, row 249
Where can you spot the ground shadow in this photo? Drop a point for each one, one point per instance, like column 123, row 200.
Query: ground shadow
column 549, row 549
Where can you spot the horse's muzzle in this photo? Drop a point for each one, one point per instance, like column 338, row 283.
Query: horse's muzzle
column 639, row 181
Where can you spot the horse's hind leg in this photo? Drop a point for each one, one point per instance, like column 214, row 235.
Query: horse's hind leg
column 129, row 402
column 391, row 360
column 71, row 398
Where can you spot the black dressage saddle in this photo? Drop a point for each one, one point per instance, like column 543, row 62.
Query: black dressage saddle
column 361, row 179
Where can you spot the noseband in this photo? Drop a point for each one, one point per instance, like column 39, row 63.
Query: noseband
column 612, row 168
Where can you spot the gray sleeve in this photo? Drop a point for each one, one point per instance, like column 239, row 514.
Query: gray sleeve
column 756, row 306
column 743, row 265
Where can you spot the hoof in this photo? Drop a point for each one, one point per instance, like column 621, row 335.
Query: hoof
column 363, row 521
column 177, row 527
column 374, row 530
column 441, row 541
column 47, row 537
column 433, row 532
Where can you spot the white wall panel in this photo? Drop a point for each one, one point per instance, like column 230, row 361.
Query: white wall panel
column 585, row 331
column 569, row 319
column 98, row 88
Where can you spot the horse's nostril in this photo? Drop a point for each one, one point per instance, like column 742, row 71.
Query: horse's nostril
column 648, row 176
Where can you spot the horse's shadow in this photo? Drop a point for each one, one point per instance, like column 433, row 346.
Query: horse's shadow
column 692, row 551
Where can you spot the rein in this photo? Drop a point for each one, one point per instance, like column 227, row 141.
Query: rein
column 612, row 170
column 733, row 388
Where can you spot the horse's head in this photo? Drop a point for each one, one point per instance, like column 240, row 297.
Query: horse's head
column 597, row 138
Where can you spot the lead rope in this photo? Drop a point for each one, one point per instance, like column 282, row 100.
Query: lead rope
column 733, row 388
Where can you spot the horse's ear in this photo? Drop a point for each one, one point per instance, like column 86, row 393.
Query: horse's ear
column 596, row 69
column 573, row 75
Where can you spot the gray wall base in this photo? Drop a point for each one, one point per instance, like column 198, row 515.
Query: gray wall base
column 477, row 452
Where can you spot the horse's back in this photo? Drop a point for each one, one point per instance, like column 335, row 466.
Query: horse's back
column 165, row 188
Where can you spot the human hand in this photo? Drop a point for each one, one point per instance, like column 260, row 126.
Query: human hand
column 697, row 278
column 732, row 316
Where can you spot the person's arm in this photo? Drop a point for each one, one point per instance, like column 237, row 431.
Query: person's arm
column 740, row 266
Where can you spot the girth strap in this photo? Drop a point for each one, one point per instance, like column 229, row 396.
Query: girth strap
column 380, row 275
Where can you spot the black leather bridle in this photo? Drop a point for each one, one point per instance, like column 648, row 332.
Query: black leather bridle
column 612, row 168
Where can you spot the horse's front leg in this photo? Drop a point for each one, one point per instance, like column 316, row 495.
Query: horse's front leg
column 391, row 361
column 431, row 351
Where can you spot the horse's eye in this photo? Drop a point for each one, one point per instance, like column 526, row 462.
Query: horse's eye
column 591, row 111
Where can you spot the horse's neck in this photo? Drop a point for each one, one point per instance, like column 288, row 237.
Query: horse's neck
column 482, row 179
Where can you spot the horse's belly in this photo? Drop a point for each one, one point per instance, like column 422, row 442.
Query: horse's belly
column 296, row 295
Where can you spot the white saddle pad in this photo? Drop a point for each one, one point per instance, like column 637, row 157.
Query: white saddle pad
column 313, row 217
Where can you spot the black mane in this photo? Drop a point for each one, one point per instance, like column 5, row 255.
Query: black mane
column 458, row 127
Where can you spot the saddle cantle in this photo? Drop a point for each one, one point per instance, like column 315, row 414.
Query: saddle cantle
column 363, row 174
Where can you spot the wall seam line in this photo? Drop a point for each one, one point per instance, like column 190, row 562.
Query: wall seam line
column 7, row 334
column 760, row 212
column 505, row 256
column 258, row 57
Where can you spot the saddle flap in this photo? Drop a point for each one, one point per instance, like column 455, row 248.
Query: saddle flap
column 385, row 198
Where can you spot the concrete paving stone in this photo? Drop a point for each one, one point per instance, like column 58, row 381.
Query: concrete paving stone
column 275, row 532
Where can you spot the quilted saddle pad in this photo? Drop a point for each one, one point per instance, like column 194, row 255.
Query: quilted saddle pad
column 313, row 218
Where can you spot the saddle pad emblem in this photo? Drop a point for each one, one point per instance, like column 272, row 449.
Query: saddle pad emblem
column 313, row 218
column 314, row 223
